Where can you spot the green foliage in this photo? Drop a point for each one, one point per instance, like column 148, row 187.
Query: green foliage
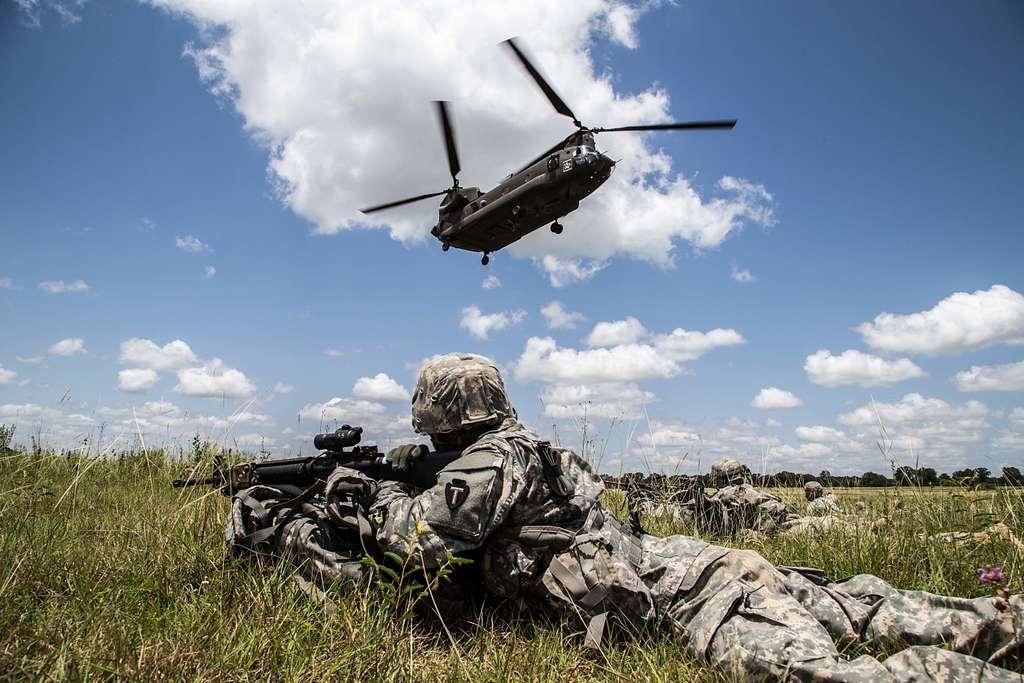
column 109, row 573
column 6, row 439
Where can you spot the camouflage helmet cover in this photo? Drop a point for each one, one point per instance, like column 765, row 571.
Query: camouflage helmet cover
column 813, row 490
column 456, row 392
column 729, row 471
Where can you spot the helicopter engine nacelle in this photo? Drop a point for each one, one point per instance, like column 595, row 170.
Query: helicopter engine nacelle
column 457, row 200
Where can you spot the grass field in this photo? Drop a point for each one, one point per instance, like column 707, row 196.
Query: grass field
column 108, row 572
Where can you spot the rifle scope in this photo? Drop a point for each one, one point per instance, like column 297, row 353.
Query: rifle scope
column 344, row 436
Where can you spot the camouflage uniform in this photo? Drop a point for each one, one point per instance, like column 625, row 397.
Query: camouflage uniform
column 546, row 540
column 824, row 506
column 682, row 499
column 819, row 503
column 739, row 505
column 813, row 490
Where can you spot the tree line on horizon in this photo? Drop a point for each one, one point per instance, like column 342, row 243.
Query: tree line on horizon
column 901, row 476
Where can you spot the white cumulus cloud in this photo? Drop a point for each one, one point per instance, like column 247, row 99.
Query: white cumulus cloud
column 211, row 272
column 543, row 360
column 6, row 283
column 68, row 11
column 557, row 318
column 491, row 282
column 742, row 276
column 190, row 243
column 254, row 440
column 61, row 287
column 609, row 400
column 680, row 345
column 562, row 271
column 914, row 408
column 1012, row 438
column 214, row 380
column 145, row 353
column 683, row 345
column 7, row 376
column 1008, row 377
column 309, row 79
column 819, row 434
column 379, row 424
column 282, row 388
column 920, row 425
column 855, row 367
column 960, row 322
column 341, row 410
column 481, row 324
column 136, row 380
column 380, row 387
column 806, row 455
column 617, row 355
column 626, row 331
column 68, row 347
column 773, row 397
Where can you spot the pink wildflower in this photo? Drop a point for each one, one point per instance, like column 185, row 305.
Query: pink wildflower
column 991, row 575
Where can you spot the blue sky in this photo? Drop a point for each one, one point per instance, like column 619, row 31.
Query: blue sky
column 875, row 169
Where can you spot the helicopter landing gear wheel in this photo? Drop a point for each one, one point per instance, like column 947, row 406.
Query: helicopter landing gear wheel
column 445, row 246
column 485, row 260
column 556, row 228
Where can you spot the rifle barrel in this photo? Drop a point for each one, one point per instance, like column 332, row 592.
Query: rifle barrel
column 303, row 472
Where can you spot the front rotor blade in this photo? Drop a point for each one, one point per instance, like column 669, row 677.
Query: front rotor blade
column 449, row 139
column 691, row 125
column 400, row 202
column 557, row 147
column 556, row 101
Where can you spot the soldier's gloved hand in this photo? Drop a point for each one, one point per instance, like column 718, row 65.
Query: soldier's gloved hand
column 402, row 457
column 348, row 484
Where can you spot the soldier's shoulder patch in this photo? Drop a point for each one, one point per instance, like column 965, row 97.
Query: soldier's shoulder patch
column 455, row 493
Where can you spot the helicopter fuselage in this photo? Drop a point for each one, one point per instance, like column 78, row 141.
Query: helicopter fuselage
column 549, row 187
column 539, row 194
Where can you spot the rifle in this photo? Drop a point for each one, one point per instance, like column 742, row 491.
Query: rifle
column 304, row 472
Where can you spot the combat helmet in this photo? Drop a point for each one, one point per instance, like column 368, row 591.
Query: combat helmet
column 813, row 490
column 458, row 392
column 729, row 472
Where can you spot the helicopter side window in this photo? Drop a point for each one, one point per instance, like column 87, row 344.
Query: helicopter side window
column 553, row 163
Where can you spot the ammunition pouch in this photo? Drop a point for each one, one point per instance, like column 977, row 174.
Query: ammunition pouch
column 561, row 486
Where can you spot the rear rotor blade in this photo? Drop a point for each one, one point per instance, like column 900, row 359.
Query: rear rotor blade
column 449, row 139
column 400, row 202
column 691, row 125
column 556, row 101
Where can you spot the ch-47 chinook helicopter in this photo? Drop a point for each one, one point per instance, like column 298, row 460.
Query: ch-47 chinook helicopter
column 548, row 188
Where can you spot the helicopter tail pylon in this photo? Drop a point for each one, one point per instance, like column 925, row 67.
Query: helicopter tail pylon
column 448, row 132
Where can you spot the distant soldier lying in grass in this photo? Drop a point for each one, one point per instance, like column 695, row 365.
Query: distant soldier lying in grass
column 736, row 506
column 530, row 513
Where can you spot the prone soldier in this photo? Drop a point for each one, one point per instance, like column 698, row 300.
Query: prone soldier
column 532, row 512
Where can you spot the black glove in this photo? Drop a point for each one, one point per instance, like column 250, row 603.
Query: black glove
column 402, row 457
